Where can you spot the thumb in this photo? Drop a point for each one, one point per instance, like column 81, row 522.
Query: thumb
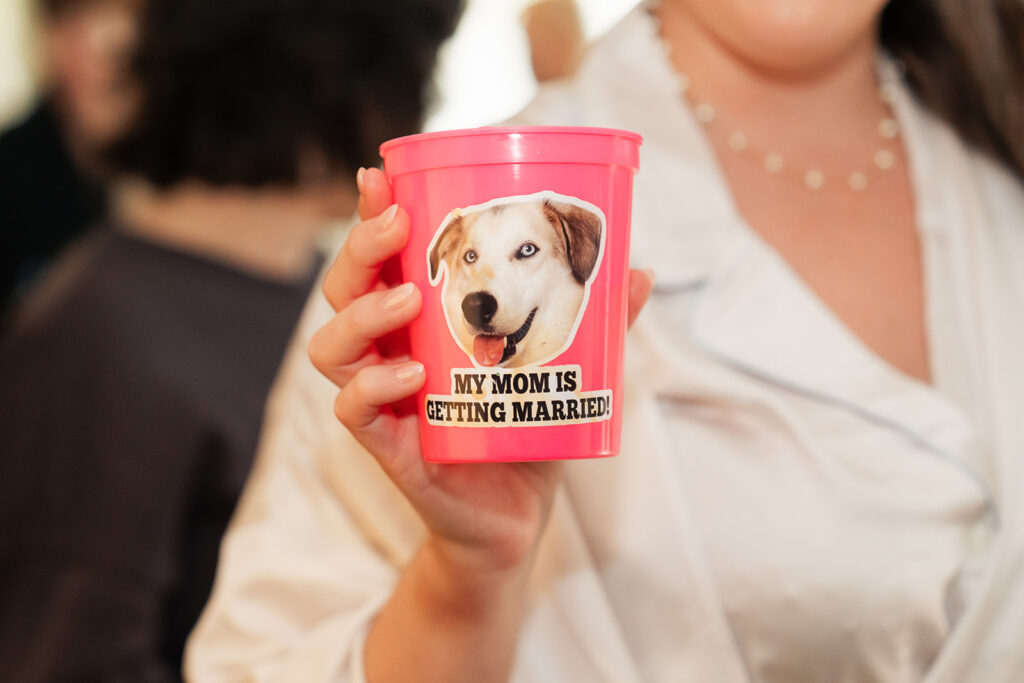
column 641, row 282
column 374, row 192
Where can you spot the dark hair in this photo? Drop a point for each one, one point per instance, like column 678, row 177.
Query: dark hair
column 965, row 61
column 241, row 92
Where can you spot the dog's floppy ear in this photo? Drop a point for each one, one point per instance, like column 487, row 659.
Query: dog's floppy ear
column 580, row 231
column 444, row 243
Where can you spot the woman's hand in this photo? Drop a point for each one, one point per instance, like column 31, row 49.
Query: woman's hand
column 457, row 607
column 480, row 516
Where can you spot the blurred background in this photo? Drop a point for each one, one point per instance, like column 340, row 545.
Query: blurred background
column 64, row 98
column 471, row 91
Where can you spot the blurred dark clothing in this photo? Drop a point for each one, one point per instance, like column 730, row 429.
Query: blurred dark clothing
column 45, row 201
column 131, row 394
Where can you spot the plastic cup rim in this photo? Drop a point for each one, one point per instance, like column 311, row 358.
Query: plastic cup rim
column 510, row 131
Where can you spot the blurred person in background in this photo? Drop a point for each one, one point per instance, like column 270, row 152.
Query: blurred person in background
column 133, row 382
column 555, row 34
column 822, row 456
column 50, row 179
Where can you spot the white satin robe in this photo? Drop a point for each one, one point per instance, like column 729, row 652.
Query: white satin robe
column 786, row 507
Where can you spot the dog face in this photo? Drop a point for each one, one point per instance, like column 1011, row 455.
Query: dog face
column 517, row 274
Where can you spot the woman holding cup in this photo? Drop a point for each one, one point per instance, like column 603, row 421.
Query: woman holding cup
column 819, row 454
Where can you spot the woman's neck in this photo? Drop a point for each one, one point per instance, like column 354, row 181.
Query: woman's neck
column 813, row 111
column 271, row 233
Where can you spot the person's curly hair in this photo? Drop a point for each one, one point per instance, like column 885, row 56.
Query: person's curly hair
column 243, row 92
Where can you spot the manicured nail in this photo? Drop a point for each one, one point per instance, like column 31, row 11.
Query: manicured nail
column 650, row 276
column 408, row 371
column 387, row 218
column 398, row 296
column 359, row 179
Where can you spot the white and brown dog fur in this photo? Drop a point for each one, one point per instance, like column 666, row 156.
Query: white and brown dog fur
column 518, row 274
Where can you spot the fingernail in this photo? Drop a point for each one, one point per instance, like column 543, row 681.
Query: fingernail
column 387, row 218
column 408, row 371
column 650, row 276
column 399, row 295
column 359, row 179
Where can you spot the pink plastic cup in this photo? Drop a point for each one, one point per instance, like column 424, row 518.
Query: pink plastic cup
column 520, row 247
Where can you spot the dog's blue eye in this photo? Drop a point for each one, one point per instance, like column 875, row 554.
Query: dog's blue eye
column 469, row 256
column 527, row 250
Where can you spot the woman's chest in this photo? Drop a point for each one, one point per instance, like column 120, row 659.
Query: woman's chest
column 859, row 252
column 828, row 501
column 828, row 548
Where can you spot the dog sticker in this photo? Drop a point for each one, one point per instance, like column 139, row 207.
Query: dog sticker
column 516, row 275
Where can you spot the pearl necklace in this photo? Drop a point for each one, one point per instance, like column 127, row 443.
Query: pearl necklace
column 811, row 177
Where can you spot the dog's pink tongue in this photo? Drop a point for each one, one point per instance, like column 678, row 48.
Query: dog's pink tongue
column 488, row 350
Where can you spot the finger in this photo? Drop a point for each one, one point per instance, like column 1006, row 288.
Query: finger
column 641, row 282
column 363, row 400
column 374, row 192
column 344, row 374
column 353, row 331
column 357, row 266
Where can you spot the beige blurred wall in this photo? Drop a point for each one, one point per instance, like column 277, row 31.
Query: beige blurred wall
column 475, row 91
column 16, row 82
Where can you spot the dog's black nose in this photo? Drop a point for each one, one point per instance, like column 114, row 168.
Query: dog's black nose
column 479, row 308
